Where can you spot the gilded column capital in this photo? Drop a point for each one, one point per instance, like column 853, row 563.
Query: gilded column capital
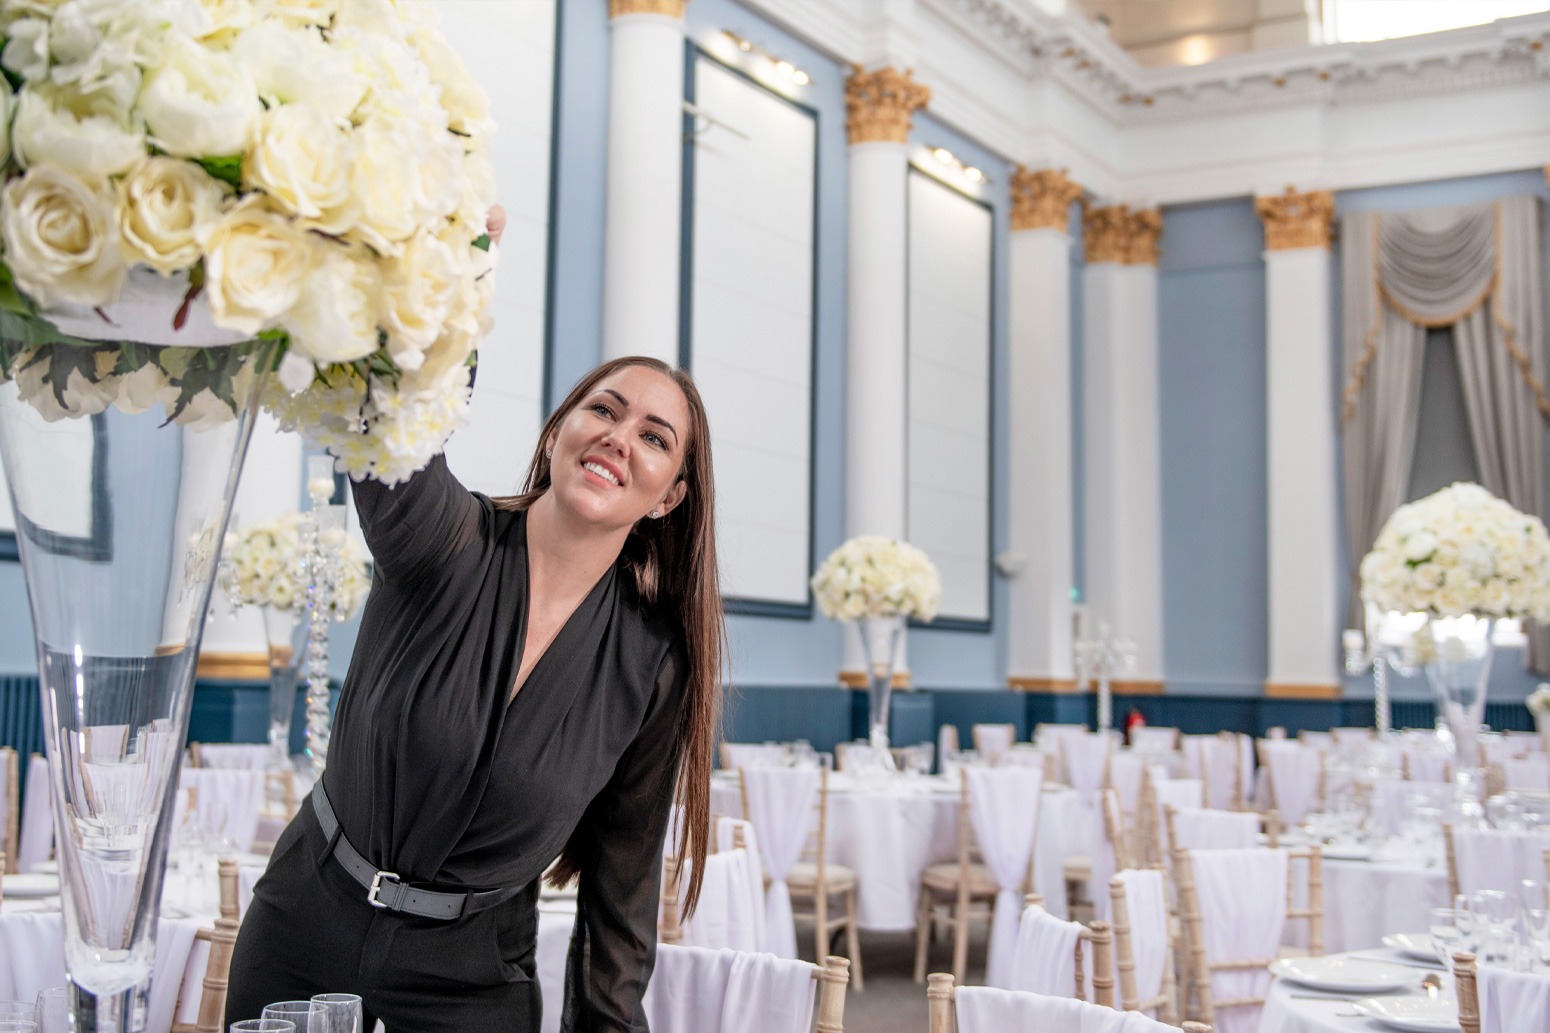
column 1295, row 220
column 880, row 104
column 1116, row 234
column 671, row 8
column 1042, row 199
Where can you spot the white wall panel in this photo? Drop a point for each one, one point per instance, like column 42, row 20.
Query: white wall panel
column 751, row 329
column 947, row 497
column 509, row 49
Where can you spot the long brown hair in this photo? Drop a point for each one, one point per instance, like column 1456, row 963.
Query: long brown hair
column 672, row 561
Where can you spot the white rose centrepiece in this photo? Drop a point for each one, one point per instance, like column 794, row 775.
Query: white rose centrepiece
column 262, row 569
column 296, row 186
column 1460, row 551
column 870, row 576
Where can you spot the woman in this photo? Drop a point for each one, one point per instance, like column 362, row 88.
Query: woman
column 533, row 678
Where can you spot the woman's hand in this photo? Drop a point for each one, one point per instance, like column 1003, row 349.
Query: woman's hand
column 495, row 223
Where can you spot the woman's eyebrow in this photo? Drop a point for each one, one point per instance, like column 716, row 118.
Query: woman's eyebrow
column 650, row 419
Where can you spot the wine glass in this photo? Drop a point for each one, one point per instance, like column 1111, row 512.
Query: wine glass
column 1497, row 913
column 335, row 1013
column 263, row 1026
column 1449, row 934
column 292, row 1011
column 27, row 1011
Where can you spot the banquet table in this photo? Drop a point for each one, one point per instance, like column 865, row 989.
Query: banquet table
column 889, row 832
column 1284, row 1013
column 1365, row 900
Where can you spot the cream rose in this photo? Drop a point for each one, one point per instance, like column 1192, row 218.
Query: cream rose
column 27, row 48
column 386, row 182
column 464, row 100
column 291, row 65
column 164, row 204
column 60, row 242
column 298, row 13
column 302, row 158
column 255, row 264
column 199, row 103
column 56, row 126
column 226, row 17
column 418, row 291
column 335, row 316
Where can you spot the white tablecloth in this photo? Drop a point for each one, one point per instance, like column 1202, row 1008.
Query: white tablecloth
column 1366, row 900
column 890, row 834
column 556, row 919
column 1286, row 1014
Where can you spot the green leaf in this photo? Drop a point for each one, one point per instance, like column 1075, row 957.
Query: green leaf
column 228, row 168
column 482, row 242
column 11, row 77
column 175, row 361
column 10, row 298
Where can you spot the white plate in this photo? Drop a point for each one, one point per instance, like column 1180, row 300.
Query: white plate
column 1346, row 975
column 45, row 867
column 1347, row 852
column 1412, row 945
column 31, row 885
column 1413, row 1014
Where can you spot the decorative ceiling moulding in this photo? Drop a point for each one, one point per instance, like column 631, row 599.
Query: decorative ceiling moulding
column 1042, row 199
column 1114, row 233
column 1294, row 220
column 881, row 105
column 669, row 8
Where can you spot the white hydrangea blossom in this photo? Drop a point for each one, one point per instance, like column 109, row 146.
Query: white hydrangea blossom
column 1460, row 551
column 264, row 564
column 872, row 576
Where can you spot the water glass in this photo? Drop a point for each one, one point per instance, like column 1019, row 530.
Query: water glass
column 18, row 1026
column 1536, row 924
column 291, row 1011
column 27, row 1011
column 335, row 1013
column 1449, row 934
column 54, row 1010
column 263, row 1026
column 1496, row 914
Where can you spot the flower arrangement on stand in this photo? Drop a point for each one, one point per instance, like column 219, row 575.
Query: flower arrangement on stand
column 881, row 583
column 205, row 209
column 1442, row 570
column 1538, row 703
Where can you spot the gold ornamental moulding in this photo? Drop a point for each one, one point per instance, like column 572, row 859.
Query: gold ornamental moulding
column 671, row 8
column 858, row 679
column 1294, row 220
column 1042, row 199
column 880, row 104
column 1114, row 233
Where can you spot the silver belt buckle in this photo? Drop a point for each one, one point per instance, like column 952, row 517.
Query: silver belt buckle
column 376, row 884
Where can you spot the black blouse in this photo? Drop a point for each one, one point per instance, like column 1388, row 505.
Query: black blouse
column 435, row 776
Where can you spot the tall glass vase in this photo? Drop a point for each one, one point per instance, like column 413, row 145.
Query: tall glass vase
column 120, row 518
column 880, row 642
column 1456, row 654
column 280, row 630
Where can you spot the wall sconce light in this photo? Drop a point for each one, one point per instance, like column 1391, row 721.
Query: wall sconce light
column 783, row 68
column 952, row 161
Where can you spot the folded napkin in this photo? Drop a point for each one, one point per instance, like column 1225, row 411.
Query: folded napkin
column 1512, row 1001
column 1146, row 901
column 780, row 805
column 1204, row 829
column 982, row 1009
column 1499, row 859
column 1242, row 897
column 696, row 990
column 1004, row 810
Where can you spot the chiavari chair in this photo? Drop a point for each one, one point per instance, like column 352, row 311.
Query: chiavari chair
column 819, row 880
column 1468, row 992
column 222, row 938
column 12, row 830
column 1101, row 935
column 1125, row 961
column 959, row 885
column 941, row 991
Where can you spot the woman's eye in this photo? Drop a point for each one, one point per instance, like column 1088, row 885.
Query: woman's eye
column 656, row 440
column 600, row 407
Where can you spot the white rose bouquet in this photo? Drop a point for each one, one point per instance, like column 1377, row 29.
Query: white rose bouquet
column 197, row 191
column 871, row 576
column 1460, row 551
column 1538, row 701
column 263, row 562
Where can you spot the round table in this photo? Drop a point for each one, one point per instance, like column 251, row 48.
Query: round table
column 1364, row 900
column 888, row 833
column 1284, row 1013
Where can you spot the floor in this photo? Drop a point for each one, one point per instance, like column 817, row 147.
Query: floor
column 892, row 1002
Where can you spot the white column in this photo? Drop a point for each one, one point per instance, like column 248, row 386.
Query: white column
column 643, row 221
column 1305, row 591
column 1039, row 434
column 1122, row 456
column 880, row 104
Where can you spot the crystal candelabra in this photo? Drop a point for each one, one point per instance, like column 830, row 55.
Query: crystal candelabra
column 1098, row 658
column 319, row 539
column 1361, row 653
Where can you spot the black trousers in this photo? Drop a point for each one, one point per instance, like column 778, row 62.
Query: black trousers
column 310, row 930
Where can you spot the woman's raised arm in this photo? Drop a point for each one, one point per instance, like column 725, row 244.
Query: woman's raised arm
column 413, row 527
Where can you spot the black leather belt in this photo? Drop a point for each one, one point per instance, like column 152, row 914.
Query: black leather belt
column 384, row 890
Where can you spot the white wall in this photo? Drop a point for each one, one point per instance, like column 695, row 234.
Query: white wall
column 751, row 340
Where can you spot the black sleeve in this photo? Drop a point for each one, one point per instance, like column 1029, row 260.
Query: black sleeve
column 413, row 527
column 614, row 945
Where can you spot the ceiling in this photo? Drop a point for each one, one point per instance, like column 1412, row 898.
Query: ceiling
column 1163, row 32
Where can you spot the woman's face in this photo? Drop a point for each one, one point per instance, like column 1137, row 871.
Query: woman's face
column 617, row 455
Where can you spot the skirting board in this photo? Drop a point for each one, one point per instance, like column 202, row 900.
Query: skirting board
column 858, row 679
column 1052, row 686
column 1279, row 690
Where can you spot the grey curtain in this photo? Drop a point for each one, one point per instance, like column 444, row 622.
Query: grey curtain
column 1475, row 268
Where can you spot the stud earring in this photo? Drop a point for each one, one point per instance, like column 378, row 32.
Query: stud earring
column 548, row 453
column 655, row 513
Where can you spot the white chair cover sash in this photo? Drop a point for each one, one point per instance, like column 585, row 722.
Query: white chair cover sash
column 37, row 830
column 1350, row 736
column 780, row 805
column 1216, row 760
column 1085, row 756
column 755, row 754
column 1531, row 772
column 946, row 742
column 1204, row 829
column 1512, row 1001
column 1499, row 859
column 1153, row 740
column 1125, row 776
column 1146, row 901
column 752, row 876
column 1426, row 765
column 1498, row 748
column 228, row 755
column 1318, row 740
column 1004, row 809
column 983, row 1009
column 1294, row 775
column 1176, row 792
column 1045, row 958
column 228, row 801
column 724, row 917
column 1242, row 897
column 1525, row 742
column 994, row 741
column 696, row 990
